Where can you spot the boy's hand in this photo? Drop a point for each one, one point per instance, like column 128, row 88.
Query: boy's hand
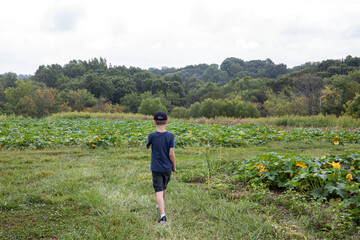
column 174, row 169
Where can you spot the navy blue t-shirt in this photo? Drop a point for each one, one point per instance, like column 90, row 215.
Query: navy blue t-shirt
column 161, row 142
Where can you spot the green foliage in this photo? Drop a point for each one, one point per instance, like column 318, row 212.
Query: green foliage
column 150, row 106
column 20, row 133
column 212, row 108
column 310, row 121
column 282, row 105
column 353, row 108
column 327, row 177
column 179, row 112
column 326, row 86
column 78, row 100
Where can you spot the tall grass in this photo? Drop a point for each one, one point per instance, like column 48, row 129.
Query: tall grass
column 4, row 116
column 74, row 115
column 311, row 121
column 321, row 121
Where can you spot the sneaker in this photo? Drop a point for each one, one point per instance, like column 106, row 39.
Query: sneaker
column 162, row 220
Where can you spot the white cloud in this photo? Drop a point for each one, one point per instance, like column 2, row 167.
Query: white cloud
column 175, row 33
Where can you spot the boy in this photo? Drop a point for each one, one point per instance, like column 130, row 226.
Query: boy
column 162, row 159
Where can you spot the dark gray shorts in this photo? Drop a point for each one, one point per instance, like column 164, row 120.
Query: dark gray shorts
column 160, row 180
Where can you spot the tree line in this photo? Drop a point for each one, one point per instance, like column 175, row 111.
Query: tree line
column 235, row 88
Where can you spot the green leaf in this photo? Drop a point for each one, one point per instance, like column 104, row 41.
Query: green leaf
column 319, row 193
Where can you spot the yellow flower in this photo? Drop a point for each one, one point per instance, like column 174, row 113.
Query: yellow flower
column 352, row 168
column 291, row 175
column 0, row 146
column 190, row 132
column 336, row 136
column 220, row 139
column 89, row 141
column 301, row 165
column 259, row 174
column 336, row 142
column 259, row 166
column 116, row 131
column 349, row 177
column 93, row 145
column 323, row 157
column 292, row 138
column 204, row 142
column 257, row 129
column 335, row 165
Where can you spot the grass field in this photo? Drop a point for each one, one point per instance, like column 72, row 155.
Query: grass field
column 80, row 193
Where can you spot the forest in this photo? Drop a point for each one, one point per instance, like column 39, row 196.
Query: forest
column 235, row 88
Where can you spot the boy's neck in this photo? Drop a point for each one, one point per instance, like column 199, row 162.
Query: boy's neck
column 161, row 128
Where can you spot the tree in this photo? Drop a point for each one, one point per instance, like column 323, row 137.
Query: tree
column 192, row 83
column 179, row 112
column 229, row 64
column 100, row 86
column 283, row 104
column 25, row 107
column 122, row 86
column 44, row 100
column 49, row 74
column 310, row 86
column 15, row 94
column 210, row 90
column 210, row 108
column 353, row 107
column 331, row 101
column 98, row 66
column 341, row 89
column 8, row 80
column 150, row 106
column 194, row 110
column 78, row 100
column 215, row 75
column 74, row 69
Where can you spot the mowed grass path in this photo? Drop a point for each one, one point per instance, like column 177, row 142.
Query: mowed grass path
column 84, row 194
column 76, row 193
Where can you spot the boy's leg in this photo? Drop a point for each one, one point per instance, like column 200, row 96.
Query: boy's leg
column 160, row 201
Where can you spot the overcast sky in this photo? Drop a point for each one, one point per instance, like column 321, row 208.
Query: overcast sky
column 157, row 33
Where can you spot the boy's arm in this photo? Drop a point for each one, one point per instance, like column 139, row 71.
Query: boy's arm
column 172, row 158
column 148, row 142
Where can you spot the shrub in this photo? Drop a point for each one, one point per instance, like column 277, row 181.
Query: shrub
column 353, row 108
column 151, row 105
column 180, row 112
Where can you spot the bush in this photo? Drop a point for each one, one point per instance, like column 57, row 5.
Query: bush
column 180, row 112
column 353, row 108
column 150, row 106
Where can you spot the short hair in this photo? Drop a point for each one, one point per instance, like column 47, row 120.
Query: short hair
column 160, row 122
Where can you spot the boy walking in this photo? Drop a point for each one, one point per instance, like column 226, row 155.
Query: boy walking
column 162, row 159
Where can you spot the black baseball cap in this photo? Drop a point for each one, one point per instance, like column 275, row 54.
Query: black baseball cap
column 160, row 115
